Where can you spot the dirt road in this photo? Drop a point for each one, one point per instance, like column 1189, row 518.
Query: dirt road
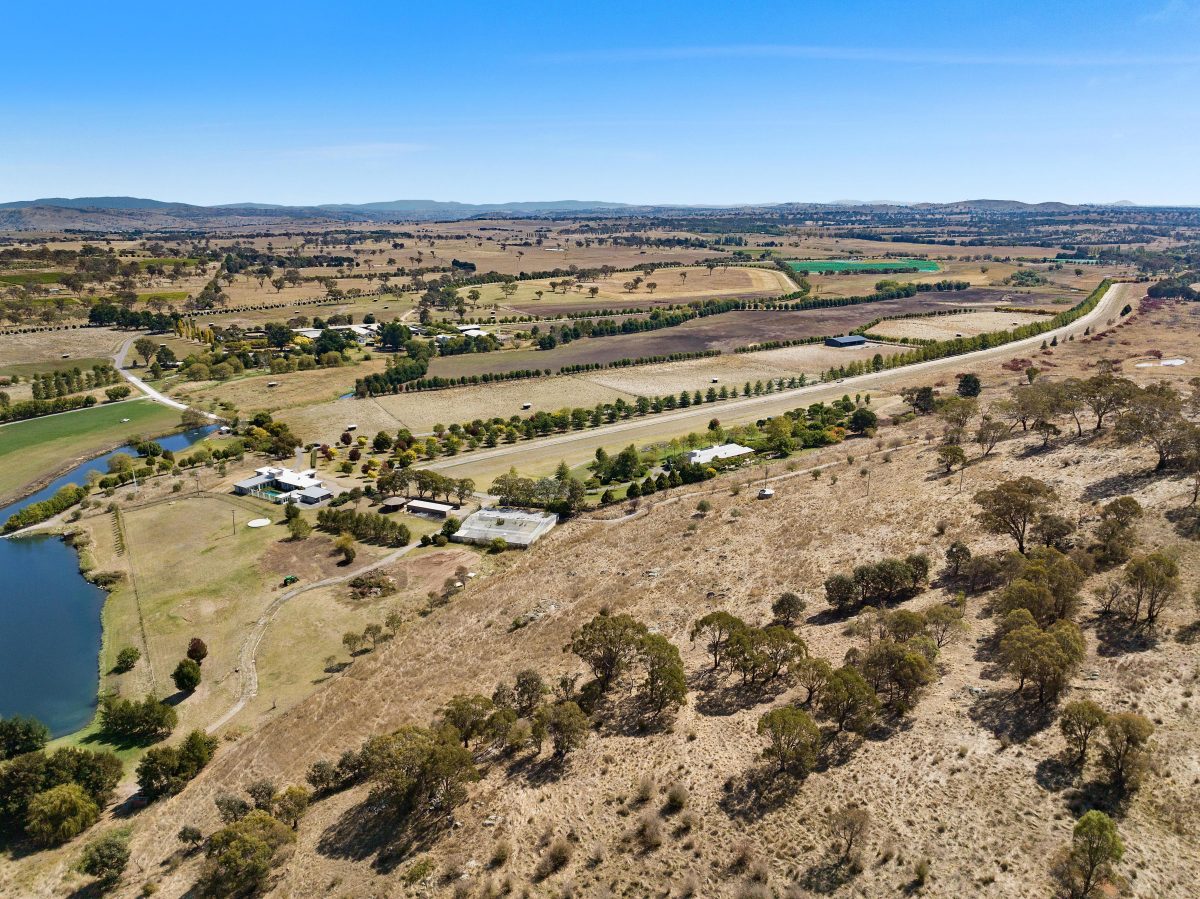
column 579, row 446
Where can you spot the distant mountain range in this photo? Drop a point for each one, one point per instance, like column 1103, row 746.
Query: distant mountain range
column 136, row 213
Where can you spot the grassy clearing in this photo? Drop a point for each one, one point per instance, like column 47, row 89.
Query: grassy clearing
column 27, row 369
column 33, row 278
column 30, row 450
column 854, row 265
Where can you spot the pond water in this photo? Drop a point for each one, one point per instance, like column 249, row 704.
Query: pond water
column 50, row 615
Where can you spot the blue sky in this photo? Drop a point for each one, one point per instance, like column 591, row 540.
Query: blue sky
column 656, row 102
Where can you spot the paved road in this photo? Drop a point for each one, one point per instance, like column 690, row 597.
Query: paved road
column 119, row 362
column 578, row 446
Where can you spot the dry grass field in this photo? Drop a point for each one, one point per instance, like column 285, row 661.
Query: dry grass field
column 674, row 285
column 961, row 784
column 46, row 348
column 944, row 327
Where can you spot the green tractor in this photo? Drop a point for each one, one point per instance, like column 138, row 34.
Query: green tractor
column 289, row 580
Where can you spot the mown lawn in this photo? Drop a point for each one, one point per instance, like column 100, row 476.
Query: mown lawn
column 35, row 448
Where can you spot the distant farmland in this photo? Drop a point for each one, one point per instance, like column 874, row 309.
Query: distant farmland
column 716, row 332
column 855, row 265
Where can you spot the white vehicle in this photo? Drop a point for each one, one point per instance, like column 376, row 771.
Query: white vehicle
column 351, row 427
column 526, row 405
column 766, row 493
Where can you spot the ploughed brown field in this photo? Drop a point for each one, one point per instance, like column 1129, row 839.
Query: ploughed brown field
column 723, row 332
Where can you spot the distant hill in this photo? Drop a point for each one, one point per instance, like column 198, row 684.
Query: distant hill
column 140, row 214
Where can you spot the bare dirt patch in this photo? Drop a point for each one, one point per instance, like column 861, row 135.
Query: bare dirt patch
column 943, row 327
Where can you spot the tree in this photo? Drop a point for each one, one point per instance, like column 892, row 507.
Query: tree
column 105, row 858
column 145, row 347
column 812, row 673
column 1104, row 394
column 299, row 528
column 1046, row 658
column 345, row 545
column 957, row 555
column 352, row 641
column 715, row 629
column 665, row 685
column 849, row 826
column 788, row 608
column 190, row 836
column 969, row 385
column 951, row 455
column 922, row 399
column 1153, row 583
column 793, row 739
column 1078, row 722
column 291, row 804
column 186, row 676
column 1123, row 752
column 528, row 690
column 1154, row 415
column 564, row 723
column 607, row 644
column 1084, row 867
column 197, row 650
column 419, row 771
column 863, row 420
column 118, row 392
column 165, row 770
column 944, row 623
column 59, row 814
column 19, row 735
column 1011, row 507
column 241, row 854
column 127, row 658
column 989, row 433
column 468, row 715
column 848, row 700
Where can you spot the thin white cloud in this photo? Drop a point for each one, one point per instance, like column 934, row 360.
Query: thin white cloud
column 1098, row 59
column 1174, row 11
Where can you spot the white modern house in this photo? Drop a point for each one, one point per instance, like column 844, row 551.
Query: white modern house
column 283, row 485
column 713, row 453
column 361, row 333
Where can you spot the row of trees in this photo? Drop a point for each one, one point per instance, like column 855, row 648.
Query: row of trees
column 886, row 581
column 52, row 384
column 369, row 527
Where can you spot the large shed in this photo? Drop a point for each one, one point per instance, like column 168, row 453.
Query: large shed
column 846, row 341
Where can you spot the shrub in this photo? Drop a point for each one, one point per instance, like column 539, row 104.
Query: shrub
column 127, row 658
column 557, row 856
column 105, row 858
column 59, row 814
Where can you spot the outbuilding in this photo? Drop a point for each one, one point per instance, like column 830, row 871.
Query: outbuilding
column 516, row 527
column 713, row 453
column 393, row 504
column 847, row 340
column 432, row 509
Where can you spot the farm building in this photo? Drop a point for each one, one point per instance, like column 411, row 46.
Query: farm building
column 281, row 485
column 516, row 527
column 393, row 504
column 724, row 451
column 426, row 507
column 847, row 340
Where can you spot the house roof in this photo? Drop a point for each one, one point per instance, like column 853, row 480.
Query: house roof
column 723, row 451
